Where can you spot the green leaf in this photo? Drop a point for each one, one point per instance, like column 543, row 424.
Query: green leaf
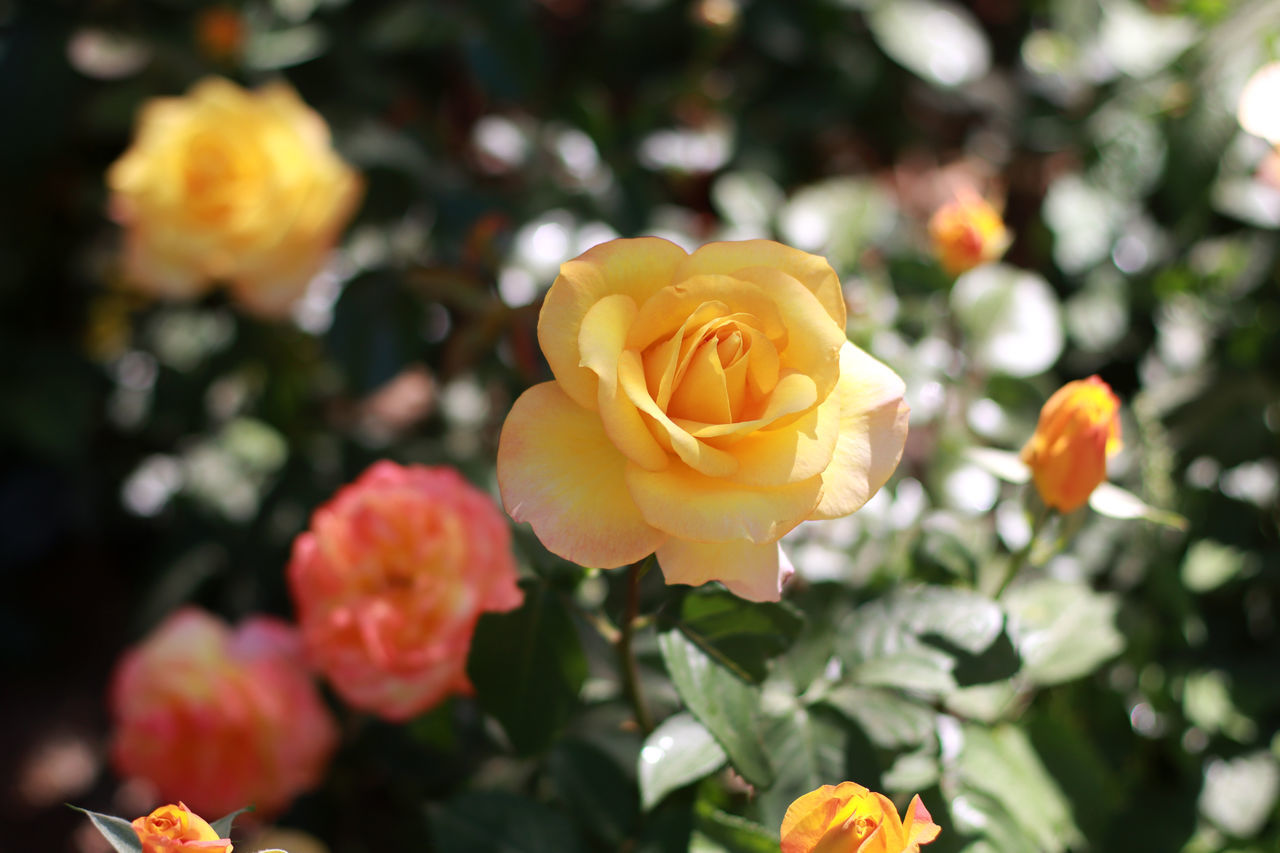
column 1209, row 564
column 888, row 718
column 1005, row 464
column 118, row 831
column 1239, row 795
column 940, row 41
column 1114, row 502
column 527, row 667
column 222, row 825
column 597, row 792
column 999, row 765
column 735, row 834
column 739, row 635
column 1062, row 630
column 917, row 638
column 678, row 752
column 501, row 822
column 809, row 750
column 724, row 703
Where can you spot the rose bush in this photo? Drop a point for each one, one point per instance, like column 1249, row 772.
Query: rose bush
column 229, row 185
column 171, row 828
column 220, row 718
column 703, row 405
column 848, row 818
column 390, row 580
column 1078, row 430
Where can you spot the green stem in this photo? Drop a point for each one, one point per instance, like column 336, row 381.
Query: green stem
column 1018, row 560
column 626, row 656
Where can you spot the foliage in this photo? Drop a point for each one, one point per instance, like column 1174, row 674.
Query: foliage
column 156, row 454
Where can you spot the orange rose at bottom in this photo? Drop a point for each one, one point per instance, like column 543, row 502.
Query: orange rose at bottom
column 169, row 829
column 220, row 718
column 391, row 579
column 1078, row 430
column 848, row 818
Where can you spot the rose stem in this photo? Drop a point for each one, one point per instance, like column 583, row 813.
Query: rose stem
column 626, row 657
column 1020, row 558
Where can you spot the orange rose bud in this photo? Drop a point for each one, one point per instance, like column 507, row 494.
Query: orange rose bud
column 174, row 828
column 848, row 818
column 391, row 579
column 1079, row 429
column 967, row 232
column 220, row 32
column 222, row 718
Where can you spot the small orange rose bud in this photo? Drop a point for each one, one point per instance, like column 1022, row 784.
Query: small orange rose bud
column 220, row 32
column 169, row 829
column 1078, row 430
column 848, row 818
column 967, row 232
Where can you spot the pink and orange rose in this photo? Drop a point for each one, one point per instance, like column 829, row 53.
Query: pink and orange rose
column 848, row 818
column 703, row 405
column 220, row 718
column 227, row 185
column 390, row 580
column 173, row 829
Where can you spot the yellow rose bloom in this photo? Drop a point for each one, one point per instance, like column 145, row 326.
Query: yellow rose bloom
column 967, row 232
column 227, row 185
column 1078, row 430
column 848, row 818
column 703, row 405
column 170, row 829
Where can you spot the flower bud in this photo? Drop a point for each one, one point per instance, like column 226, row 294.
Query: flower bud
column 848, row 818
column 170, row 829
column 967, row 232
column 1079, row 429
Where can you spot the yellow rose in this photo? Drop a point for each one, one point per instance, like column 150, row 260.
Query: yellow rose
column 967, row 232
column 703, row 405
column 1078, row 430
column 171, row 829
column 229, row 185
column 848, row 818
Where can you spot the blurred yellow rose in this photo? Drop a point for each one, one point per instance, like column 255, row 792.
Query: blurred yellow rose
column 229, row 185
column 1078, row 430
column 967, row 232
column 703, row 405
column 171, row 829
column 848, row 818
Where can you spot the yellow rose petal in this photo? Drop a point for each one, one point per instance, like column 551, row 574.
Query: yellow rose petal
column 812, row 271
column 637, row 268
column 797, row 451
column 702, row 394
column 755, row 572
column 794, row 394
column 814, row 341
column 696, row 454
column 689, row 505
column 603, row 335
column 558, row 470
column 873, row 432
column 701, row 299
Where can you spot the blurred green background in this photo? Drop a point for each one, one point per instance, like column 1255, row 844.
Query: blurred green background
column 154, row 454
